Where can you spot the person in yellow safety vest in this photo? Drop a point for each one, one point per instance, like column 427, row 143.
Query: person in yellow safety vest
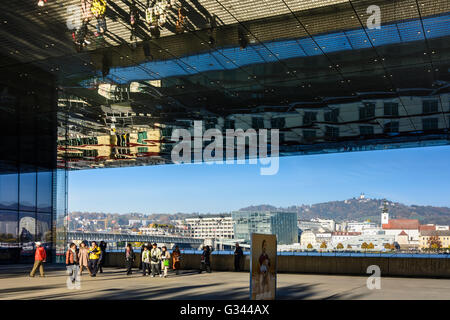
column 94, row 258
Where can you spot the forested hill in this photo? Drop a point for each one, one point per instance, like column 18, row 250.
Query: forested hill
column 363, row 209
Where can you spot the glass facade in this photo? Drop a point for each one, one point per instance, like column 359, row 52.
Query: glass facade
column 26, row 214
column 28, row 175
column 282, row 224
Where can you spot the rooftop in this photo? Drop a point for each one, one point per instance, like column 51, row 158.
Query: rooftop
column 426, row 227
column 440, row 233
column 410, row 224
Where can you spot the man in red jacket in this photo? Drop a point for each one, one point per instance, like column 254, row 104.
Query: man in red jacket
column 39, row 258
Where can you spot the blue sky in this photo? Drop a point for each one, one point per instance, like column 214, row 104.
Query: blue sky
column 412, row 176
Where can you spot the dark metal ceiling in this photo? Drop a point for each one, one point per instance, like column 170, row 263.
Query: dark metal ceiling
column 309, row 68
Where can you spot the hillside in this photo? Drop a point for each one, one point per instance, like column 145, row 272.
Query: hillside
column 363, row 209
column 352, row 209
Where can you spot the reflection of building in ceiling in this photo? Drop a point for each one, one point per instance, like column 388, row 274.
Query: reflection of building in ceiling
column 126, row 144
column 378, row 118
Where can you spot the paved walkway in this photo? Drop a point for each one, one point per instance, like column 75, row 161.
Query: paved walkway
column 114, row 284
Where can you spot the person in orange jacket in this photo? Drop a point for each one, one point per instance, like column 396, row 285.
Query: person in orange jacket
column 40, row 257
column 72, row 262
column 176, row 257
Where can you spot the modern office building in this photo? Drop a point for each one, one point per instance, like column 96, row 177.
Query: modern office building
column 282, row 224
column 314, row 70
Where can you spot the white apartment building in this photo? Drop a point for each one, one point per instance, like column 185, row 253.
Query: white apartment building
column 342, row 237
column 352, row 240
column 177, row 229
column 378, row 240
column 307, row 237
column 317, row 224
column 210, row 228
column 322, row 237
column 151, row 231
column 326, row 120
column 143, row 222
column 363, row 227
column 341, row 226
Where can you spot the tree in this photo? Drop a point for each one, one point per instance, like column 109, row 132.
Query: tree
column 309, row 246
column 364, row 245
column 349, row 246
column 370, row 246
column 339, row 246
column 434, row 242
column 387, row 246
column 323, row 245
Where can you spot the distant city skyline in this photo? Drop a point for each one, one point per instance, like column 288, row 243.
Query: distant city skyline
column 417, row 176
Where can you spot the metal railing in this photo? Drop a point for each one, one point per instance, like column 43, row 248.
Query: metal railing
column 320, row 254
column 113, row 237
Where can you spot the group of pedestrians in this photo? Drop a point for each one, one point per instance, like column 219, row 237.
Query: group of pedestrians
column 92, row 258
column 154, row 261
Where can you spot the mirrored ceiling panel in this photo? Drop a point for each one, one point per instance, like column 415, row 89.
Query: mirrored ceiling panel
column 331, row 76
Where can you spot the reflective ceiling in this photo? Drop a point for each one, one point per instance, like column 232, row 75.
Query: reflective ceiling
column 312, row 69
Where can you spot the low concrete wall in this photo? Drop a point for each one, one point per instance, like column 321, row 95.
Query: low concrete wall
column 398, row 267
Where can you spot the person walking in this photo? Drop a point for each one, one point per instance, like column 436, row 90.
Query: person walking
column 94, row 256
column 237, row 257
column 142, row 250
column 165, row 261
column 40, row 257
column 155, row 260
column 72, row 262
column 205, row 263
column 83, row 258
column 176, row 258
column 145, row 261
column 101, row 262
column 129, row 258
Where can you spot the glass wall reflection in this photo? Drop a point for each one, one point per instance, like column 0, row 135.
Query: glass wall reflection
column 26, row 215
column 27, row 161
column 9, row 188
column 27, row 191
column 44, row 191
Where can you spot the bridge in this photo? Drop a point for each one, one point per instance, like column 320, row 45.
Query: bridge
column 118, row 237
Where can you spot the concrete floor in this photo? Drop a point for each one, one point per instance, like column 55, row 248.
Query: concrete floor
column 114, row 284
